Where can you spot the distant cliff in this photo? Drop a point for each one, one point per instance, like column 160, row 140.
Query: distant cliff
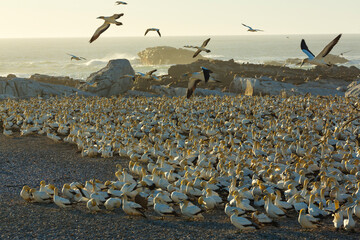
column 167, row 55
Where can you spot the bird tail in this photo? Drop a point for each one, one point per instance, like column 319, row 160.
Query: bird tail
column 118, row 23
column 207, row 51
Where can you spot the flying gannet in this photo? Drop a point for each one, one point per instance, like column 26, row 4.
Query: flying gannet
column 76, row 57
column 196, row 77
column 149, row 75
column 153, row 29
column 252, row 29
column 319, row 59
column 106, row 25
column 199, row 49
column 120, row 3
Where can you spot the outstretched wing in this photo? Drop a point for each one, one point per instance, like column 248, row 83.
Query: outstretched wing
column 247, row 26
column 158, row 31
column 192, row 86
column 147, row 30
column 99, row 31
column 306, row 50
column 117, row 16
column 196, row 53
column 151, row 72
column 329, row 47
column 71, row 55
column 206, row 74
column 205, row 42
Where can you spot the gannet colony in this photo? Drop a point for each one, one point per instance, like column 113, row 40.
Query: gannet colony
column 258, row 158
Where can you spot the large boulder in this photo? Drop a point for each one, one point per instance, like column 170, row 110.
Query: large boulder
column 167, row 55
column 110, row 80
column 26, row 88
column 65, row 81
column 353, row 89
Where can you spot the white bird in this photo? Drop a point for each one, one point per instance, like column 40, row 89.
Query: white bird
column 152, row 29
column 120, row 3
column 61, row 202
column 106, row 25
column 25, row 194
column 306, row 220
column 161, row 208
column 241, row 222
column 40, row 197
column 197, row 77
column 199, row 49
column 208, row 202
column 319, row 59
column 132, row 208
column 92, row 206
column 76, row 57
column 190, row 210
column 349, row 223
column 250, row 29
column 112, row 203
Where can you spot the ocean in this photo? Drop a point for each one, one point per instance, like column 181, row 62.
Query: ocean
column 24, row 57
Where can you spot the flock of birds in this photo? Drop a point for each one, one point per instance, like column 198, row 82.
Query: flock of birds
column 259, row 159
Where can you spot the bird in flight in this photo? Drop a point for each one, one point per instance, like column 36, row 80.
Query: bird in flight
column 252, row 29
column 76, row 57
column 318, row 59
column 149, row 75
column 197, row 77
column 153, row 29
column 199, row 49
column 120, row 3
column 106, row 25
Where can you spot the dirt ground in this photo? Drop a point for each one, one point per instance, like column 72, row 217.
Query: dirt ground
column 28, row 160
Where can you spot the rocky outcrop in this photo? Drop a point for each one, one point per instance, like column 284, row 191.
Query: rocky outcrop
column 167, row 55
column 353, row 89
column 333, row 59
column 110, row 80
column 65, row 81
column 26, row 88
column 267, row 86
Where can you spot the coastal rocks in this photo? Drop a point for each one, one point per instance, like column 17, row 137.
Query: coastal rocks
column 353, row 89
column 110, row 80
column 267, row 86
column 163, row 55
column 26, row 88
column 333, row 59
column 65, row 81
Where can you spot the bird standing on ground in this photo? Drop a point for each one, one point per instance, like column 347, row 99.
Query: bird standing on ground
column 319, row 59
column 202, row 48
column 106, row 25
column 153, row 29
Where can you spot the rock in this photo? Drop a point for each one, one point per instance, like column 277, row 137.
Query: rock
column 179, row 91
column 267, row 86
column 10, row 76
column 167, row 55
column 333, row 59
column 26, row 88
column 65, row 81
column 109, row 81
column 353, row 89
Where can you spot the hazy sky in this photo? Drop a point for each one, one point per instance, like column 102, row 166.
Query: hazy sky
column 77, row 18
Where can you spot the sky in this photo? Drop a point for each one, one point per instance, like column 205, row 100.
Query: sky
column 77, row 18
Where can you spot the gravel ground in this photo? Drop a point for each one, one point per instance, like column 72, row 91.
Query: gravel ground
column 28, row 160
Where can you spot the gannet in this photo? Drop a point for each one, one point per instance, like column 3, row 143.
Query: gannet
column 61, row 202
column 319, row 59
column 306, row 220
column 120, row 3
column 149, row 75
column 349, row 223
column 76, row 57
column 161, row 208
column 197, row 77
column 241, row 222
column 190, row 210
column 132, row 208
column 153, row 29
column 199, row 49
column 40, row 197
column 251, row 29
column 106, row 25
column 92, row 206
column 68, row 192
column 208, row 202
column 25, row 193
column 112, row 203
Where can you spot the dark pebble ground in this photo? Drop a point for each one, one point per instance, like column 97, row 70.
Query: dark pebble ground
column 28, row 160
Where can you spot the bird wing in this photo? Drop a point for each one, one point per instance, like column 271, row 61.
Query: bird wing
column 196, row 53
column 83, row 58
column 247, row 26
column 158, row 31
column 306, row 50
column 147, row 30
column 328, row 47
column 206, row 74
column 117, row 16
column 205, row 42
column 151, row 72
column 192, row 86
column 99, row 31
column 259, row 30
column 71, row 55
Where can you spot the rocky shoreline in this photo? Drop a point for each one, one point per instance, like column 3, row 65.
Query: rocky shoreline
column 235, row 78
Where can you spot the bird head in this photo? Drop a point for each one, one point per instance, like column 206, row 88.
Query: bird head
column 101, row 17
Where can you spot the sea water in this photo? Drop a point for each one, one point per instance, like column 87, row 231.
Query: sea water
column 24, row 57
